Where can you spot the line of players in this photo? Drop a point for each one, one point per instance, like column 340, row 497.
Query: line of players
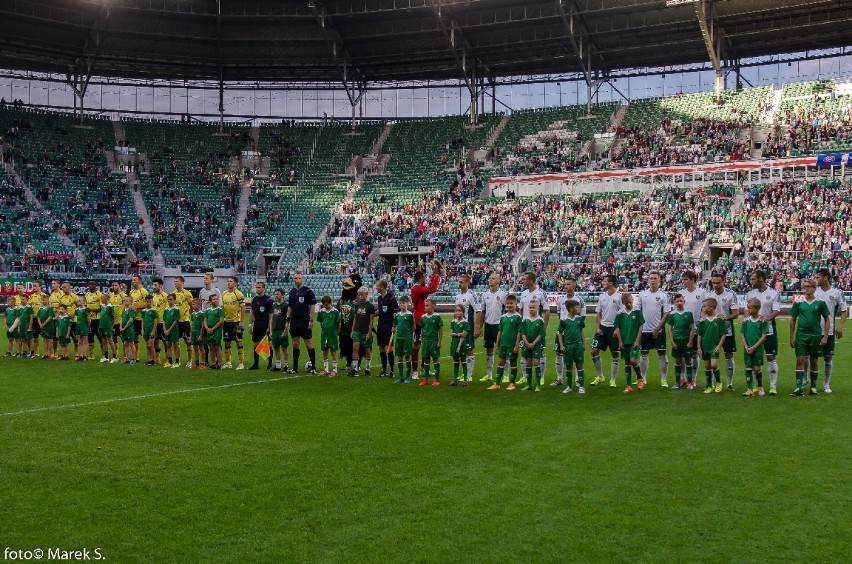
column 160, row 320
column 699, row 325
column 158, row 317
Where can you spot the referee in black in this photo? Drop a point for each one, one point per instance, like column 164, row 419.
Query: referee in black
column 302, row 303
column 387, row 307
column 261, row 311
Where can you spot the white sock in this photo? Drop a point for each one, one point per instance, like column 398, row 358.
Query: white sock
column 729, row 362
column 489, row 363
column 773, row 373
column 829, row 366
column 615, row 364
column 334, row 365
column 643, row 366
column 559, row 363
column 664, row 367
column 325, row 365
column 470, row 362
column 542, row 366
column 695, row 364
column 596, row 360
column 355, row 363
column 278, row 363
column 367, row 364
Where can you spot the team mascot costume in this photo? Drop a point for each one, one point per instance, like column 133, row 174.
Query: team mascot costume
column 346, row 306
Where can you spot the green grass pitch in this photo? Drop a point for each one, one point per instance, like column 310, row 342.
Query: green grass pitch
column 164, row 465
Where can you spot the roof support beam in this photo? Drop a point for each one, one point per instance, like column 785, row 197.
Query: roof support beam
column 461, row 49
column 712, row 40
column 79, row 74
column 354, row 82
column 581, row 44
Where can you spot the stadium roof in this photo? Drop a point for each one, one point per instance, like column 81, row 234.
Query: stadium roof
column 384, row 40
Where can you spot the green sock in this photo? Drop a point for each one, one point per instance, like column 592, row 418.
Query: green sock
column 514, row 373
column 498, row 378
column 814, row 379
column 717, row 376
column 437, row 371
column 407, row 369
column 709, row 375
column 464, row 369
column 628, row 374
column 537, row 372
column 749, row 380
column 455, row 370
column 581, row 377
column 800, row 379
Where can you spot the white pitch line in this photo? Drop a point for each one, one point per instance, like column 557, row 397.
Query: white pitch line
column 146, row 396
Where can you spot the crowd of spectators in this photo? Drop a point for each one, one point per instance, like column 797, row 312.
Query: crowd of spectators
column 804, row 130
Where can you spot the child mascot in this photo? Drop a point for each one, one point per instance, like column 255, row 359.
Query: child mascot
column 345, row 305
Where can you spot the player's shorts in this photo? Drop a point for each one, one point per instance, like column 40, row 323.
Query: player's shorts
column 770, row 345
column 417, row 336
column 489, row 335
column 628, row 351
column 64, row 340
column 280, row 338
column 258, row 331
column 330, row 342
column 229, row 331
column 184, row 329
column 573, row 355
column 430, row 349
column 730, row 344
column 403, row 347
column 174, row 336
column 214, row 339
column 94, row 328
column 26, row 335
column 468, row 341
column 105, row 332
column 534, row 352
column 299, row 328
column 129, row 335
column 161, row 331
column 83, row 333
column 682, row 350
column 709, row 355
column 808, row 345
column 454, row 347
column 36, row 330
column 148, row 333
column 195, row 338
column 754, row 359
column 73, row 332
column 828, row 349
column 116, row 331
column 137, row 328
column 10, row 335
column 48, row 332
column 507, row 352
column 383, row 334
column 364, row 340
column 607, row 341
column 649, row 343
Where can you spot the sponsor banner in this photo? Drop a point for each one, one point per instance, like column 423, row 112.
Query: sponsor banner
column 7, row 285
column 80, row 286
column 831, row 159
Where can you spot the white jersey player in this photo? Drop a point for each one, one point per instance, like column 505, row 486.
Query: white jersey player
column 609, row 304
column 655, row 307
column 493, row 302
column 837, row 305
column 471, row 306
column 727, row 310
column 562, row 311
column 770, row 308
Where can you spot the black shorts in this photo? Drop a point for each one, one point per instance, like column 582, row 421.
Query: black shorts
column 259, row 331
column 137, row 328
column 229, row 331
column 649, row 343
column 36, row 330
column 383, row 334
column 94, row 328
column 161, row 332
column 415, row 338
column 184, row 329
column 299, row 328
column 730, row 344
column 116, row 332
